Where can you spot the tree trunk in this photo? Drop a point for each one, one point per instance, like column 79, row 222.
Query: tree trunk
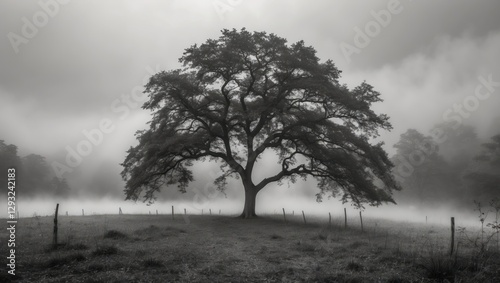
column 249, row 209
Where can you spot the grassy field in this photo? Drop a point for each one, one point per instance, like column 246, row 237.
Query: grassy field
column 150, row 248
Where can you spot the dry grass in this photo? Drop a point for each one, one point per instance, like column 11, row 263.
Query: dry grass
column 150, row 248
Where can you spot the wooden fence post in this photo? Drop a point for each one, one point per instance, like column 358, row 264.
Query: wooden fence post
column 452, row 235
column 172, row 212
column 210, row 211
column 120, row 211
column 66, row 213
column 329, row 219
column 202, row 211
column 185, row 212
column 157, row 212
column 304, row 216
column 345, row 217
column 54, row 239
column 219, row 211
column 284, row 215
column 361, row 218
column 83, row 212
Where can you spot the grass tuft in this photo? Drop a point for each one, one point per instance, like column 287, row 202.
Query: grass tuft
column 148, row 230
column 275, row 236
column 63, row 260
column 322, row 235
column 96, row 267
column 174, row 229
column 306, row 247
column 354, row 266
column 151, row 262
column 440, row 267
column 115, row 235
column 357, row 244
column 105, row 250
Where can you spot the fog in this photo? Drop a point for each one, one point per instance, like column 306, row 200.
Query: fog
column 83, row 71
column 266, row 205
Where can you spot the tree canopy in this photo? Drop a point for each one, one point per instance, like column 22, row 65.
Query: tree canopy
column 246, row 93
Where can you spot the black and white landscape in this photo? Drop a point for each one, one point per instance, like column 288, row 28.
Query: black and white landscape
column 250, row 141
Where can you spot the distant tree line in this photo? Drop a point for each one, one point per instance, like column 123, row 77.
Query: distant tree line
column 450, row 165
column 34, row 177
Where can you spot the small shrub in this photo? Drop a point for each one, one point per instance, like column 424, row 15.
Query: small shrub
column 62, row 260
column 488, row 231
column 281, row 275
column 322, row 235
column 51, row 248
column 148, row 230
column 76, row 257
column 440, row 267
column 151, row 262
column 96, row 267
column 357, row 244
column 214, row 270
column 306, row 247
column 388, row 258
column 116, row 235
column 141, row 252
column 174, row 229
column 105, row 250
column 55, row 262
column 276, row 237
column 354, row 266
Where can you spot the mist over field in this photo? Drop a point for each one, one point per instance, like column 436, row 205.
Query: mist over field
column 266, row 205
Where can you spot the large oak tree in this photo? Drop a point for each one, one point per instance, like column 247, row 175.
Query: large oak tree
column 246, row 93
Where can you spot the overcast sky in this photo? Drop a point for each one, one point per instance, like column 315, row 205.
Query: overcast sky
column 67, row 67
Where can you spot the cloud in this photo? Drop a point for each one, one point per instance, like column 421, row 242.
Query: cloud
column 418, row 90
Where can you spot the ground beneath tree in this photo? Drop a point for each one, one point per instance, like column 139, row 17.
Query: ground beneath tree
column 138, row 248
